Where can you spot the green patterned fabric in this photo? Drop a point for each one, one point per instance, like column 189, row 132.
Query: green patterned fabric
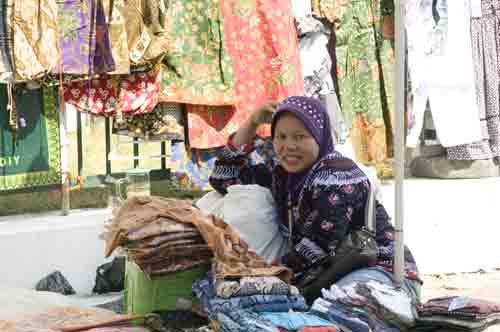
column 365, row 71
column 198, row 69
column 364, row 57
column 32, row 156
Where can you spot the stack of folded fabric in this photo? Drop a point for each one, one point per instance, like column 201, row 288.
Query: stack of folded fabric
column 367, row 307
column 299, row 321
column 239, row 320
column 158, row 243
column 457, row 313
column 257, row 294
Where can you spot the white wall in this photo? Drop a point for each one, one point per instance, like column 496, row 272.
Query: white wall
column 33, row 246
column 451, row 225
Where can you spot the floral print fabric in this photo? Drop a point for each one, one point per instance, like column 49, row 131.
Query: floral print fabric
column 198, row 70
column 262, row 41
column 35, row 42
column 108, row 95
column 140, row 92
column 84, row 38
column 365, row 64
column 143, row 44
column 210, row 126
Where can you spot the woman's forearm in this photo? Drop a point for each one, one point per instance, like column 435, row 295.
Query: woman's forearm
column 246, row 133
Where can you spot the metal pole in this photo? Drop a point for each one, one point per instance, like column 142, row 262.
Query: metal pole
column 399, row 141
column 65, row 144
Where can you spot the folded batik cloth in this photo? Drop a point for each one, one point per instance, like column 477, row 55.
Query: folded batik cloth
column 247, row 286
column 212, row 304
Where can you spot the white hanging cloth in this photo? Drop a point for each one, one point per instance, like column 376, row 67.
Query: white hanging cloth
column 441, row 70
column 301, row 8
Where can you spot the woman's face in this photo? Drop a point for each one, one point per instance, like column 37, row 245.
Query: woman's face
column 295, row 147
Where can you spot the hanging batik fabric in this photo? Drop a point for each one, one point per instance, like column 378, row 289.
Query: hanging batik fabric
column 365, row 64
column 6, row 67
column 117, row 36
column 84, row 38
column 197, row 67
column 262, row 41
column 30, row 156
column 326, row 8
column 96, row 96
column 35, row 43
column 210, row 126
column 140, row 92
column 144, row 45
column 137, row 93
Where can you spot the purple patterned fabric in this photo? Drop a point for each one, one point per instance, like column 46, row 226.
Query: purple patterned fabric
column 84, row 38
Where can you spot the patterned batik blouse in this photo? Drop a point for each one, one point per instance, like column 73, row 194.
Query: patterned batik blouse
column 330, row 205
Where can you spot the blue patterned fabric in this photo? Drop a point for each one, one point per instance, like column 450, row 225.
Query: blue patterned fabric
column 244, row 321
column 197, row 164
column 294, row 320
column 212, row 304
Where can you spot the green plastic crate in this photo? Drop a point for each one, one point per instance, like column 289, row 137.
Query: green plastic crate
column 143, row 295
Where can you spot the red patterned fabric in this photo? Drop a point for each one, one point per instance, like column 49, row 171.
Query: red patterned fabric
column 318, row 329
column 136, row 93
column 210, row 126
column 140, row 93
column 261, row 40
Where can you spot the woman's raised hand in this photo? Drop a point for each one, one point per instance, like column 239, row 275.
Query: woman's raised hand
column 264, row 113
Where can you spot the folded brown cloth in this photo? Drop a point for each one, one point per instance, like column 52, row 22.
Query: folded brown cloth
column 158, row 227
column 183, row 251
column 158, row 240
column 232, row 255
column 178, row 266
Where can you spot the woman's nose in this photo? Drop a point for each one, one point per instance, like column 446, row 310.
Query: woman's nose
column 290, row 145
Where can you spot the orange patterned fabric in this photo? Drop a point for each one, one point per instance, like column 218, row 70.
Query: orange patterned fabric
column 261, row 40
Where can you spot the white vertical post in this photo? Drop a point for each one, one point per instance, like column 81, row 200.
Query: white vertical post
column 399, row 140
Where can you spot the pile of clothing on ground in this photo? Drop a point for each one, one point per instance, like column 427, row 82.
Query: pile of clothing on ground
column 457, row 313
column 367, row 307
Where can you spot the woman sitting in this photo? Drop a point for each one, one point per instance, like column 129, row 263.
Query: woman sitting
column 321, row 195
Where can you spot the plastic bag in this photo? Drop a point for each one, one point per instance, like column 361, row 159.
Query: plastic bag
column 56, row 283
column 110, row 276
column 251, row 211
